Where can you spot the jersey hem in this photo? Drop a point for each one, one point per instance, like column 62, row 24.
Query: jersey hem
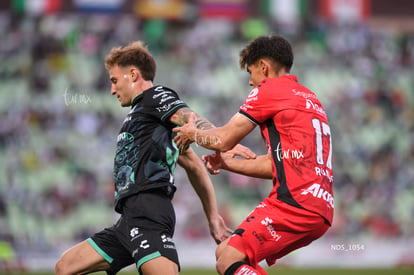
column 172, row 111
column 249, row 117
column 145, row 188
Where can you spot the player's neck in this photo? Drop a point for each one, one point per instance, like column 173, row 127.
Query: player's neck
column 142, row 87
column 146, row 84
column 279, row 73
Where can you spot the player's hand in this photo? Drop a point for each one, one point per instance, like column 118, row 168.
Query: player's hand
column 241, row 151
column 213, row 162
column 186, row 134
column 216, row 161
column 219, row 230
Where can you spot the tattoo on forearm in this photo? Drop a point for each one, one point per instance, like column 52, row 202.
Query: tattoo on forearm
column 203, row 124
column 183, row 115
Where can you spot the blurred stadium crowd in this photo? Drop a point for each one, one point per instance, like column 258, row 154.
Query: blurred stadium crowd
column 58, row 121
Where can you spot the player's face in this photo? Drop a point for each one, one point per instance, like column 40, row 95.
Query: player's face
column 256, row 74
column 122, row 85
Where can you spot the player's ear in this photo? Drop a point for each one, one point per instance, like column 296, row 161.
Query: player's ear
column 264, row 66
column 134, row 73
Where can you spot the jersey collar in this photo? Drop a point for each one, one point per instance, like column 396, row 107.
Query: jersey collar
column 138, row 97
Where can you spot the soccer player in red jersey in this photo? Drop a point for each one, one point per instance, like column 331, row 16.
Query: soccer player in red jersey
column 300, row 207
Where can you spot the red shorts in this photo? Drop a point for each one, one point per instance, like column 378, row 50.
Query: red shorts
column 274, row 229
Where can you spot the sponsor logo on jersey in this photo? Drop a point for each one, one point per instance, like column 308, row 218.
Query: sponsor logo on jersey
column 165, row 98
column 165, row 238
column 253, row 95
column 259, row 238
column 245, row 107
column 161, row 91
column 144, row 244
column 128, row 118
column 134, row 233
column 305, row 95
column 318, row 192
column 165, row 95
column 254, row 92
column 168, row 242
column 244, row 270
column 125, row 136
column 268, row 223
column 316, row 107
column 167, row 107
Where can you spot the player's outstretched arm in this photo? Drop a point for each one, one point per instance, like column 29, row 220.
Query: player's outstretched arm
column 260, row 167
column 203, row 186
column 186, row 116
column 183, row 115
column 219, row 139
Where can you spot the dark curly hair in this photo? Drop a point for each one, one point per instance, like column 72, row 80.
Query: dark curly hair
column 275, row 47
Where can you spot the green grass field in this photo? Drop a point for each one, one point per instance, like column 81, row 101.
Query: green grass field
column 308, row 271
column 279, row 271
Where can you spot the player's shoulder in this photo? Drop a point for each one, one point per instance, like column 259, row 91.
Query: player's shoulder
column 163, row 89
column 159, row 92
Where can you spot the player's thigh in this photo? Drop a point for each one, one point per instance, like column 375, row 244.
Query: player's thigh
column 227, row 255
column 80, row 259
column 159, row 265
column 220, row 248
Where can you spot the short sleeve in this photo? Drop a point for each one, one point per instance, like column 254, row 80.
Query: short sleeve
column 259, row 105
column 162, row 102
